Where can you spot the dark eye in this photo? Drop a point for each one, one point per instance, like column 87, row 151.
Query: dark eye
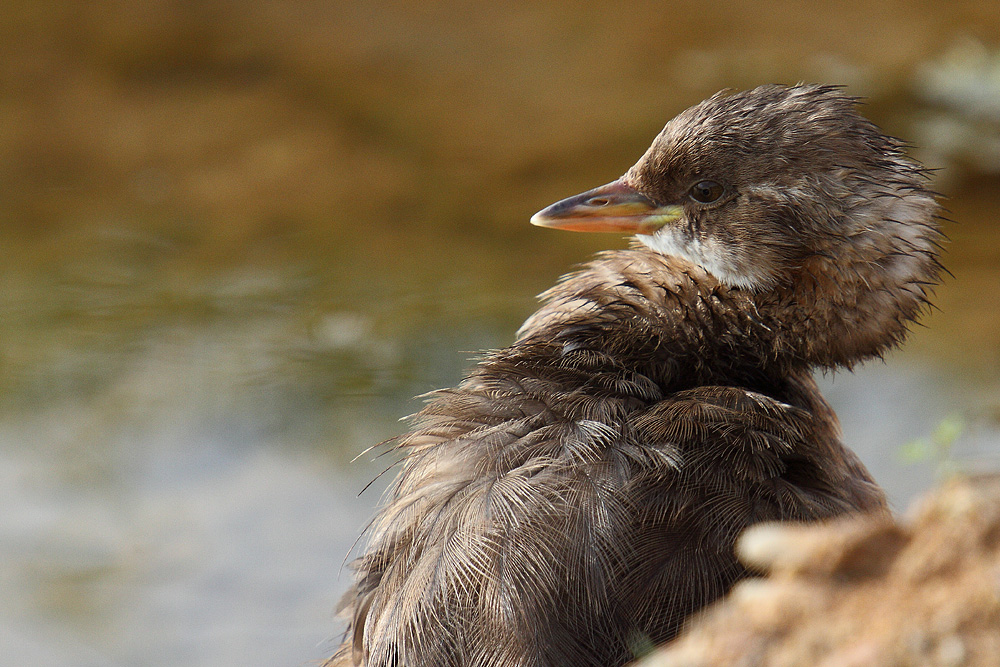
column 705, row 192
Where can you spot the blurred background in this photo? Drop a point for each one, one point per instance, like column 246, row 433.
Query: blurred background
column 237, row 238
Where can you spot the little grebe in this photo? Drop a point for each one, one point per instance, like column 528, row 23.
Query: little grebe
column 578, row 495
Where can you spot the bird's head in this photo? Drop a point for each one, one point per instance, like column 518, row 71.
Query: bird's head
column 777, row 189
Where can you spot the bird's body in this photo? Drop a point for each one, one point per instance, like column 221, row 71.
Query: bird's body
column 579, row 494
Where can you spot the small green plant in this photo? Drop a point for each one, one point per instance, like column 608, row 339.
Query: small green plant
column 938, row 446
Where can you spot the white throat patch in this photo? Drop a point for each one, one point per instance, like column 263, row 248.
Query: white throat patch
column 722, row 261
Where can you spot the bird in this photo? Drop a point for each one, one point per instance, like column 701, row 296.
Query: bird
column 577, row 497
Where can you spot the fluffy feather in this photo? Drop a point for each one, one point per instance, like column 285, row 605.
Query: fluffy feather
column 578, row 496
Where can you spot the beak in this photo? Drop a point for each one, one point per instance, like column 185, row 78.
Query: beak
column 615, row 207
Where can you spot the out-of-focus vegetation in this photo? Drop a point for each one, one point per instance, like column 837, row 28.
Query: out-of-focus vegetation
column 248, row 118
column 937, row 446
column 216, row 133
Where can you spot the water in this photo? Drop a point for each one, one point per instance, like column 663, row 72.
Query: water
column 176, row 454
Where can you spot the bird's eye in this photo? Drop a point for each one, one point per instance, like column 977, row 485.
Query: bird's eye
column 705, row 192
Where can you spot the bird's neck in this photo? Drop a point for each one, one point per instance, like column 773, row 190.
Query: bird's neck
column 856, row 300
column 679, row 324
column 660, row 316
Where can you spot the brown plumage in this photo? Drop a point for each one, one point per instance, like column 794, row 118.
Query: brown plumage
column 578, row 495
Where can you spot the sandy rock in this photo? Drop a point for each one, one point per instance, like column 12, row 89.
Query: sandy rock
column 864, row 591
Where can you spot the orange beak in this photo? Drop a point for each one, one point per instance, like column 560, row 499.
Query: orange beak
column 615, row 207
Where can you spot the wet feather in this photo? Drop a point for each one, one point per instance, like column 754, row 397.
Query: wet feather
column 578, row 495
